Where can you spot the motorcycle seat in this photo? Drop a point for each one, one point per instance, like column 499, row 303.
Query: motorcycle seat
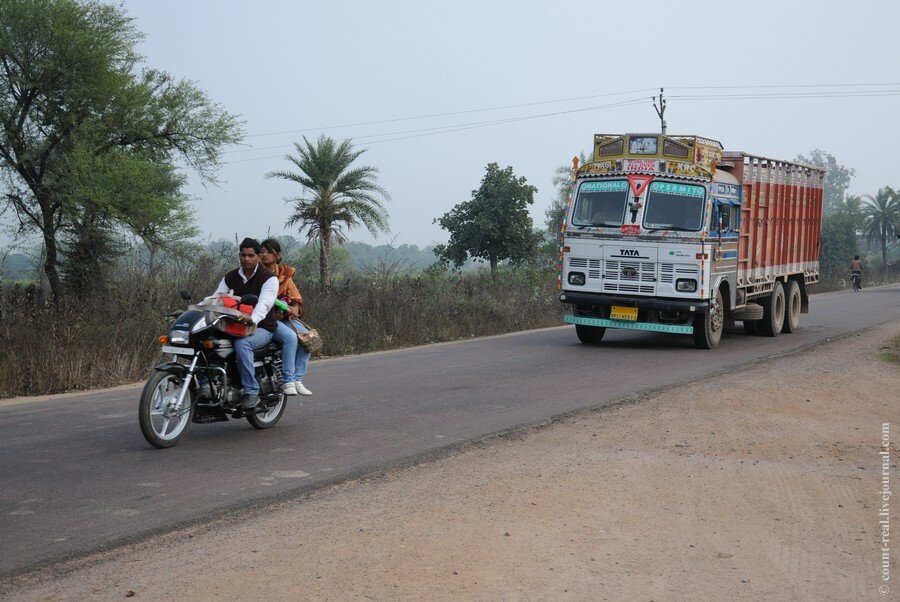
column 269, row 349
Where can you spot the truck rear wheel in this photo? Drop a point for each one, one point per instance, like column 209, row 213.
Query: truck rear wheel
column 773, row 312
column 792, row 307
column 589, row 334
column 708, row 327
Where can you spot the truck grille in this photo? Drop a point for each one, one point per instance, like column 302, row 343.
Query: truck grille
column 632, row 276
column 593, row 266
column 668, row 272
column 629, row 277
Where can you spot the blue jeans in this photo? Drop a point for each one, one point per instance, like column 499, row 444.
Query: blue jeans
column 294, row 358
column 243, row 348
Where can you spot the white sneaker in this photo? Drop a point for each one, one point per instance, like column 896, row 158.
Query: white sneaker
column 289, row 389
column 301, row 390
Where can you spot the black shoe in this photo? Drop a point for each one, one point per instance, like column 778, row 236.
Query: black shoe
column 249, row 401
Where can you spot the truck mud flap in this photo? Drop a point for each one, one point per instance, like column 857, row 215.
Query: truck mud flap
column 646, row 326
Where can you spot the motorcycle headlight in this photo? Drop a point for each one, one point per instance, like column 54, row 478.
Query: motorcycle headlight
column 178, row 337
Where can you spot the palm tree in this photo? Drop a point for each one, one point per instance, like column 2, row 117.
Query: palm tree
column 882, row 214
column 341, row 196
column 852, row 207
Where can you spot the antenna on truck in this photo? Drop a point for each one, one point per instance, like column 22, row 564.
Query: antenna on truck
column 661, row 110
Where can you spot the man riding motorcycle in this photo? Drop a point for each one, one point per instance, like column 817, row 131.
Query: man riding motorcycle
column 251, row 279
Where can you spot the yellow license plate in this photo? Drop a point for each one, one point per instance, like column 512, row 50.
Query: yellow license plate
column 623, row 313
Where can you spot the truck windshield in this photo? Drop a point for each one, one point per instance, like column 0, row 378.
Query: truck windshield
column 672, row 206
column 600, row 203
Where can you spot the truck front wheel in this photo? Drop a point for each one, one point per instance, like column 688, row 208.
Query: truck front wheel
column 708, row 327
column 589, row 334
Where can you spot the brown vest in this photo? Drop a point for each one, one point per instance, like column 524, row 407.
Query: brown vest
column 253, row 286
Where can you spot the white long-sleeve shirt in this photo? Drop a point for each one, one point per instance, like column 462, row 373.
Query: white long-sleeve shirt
column 266, row 295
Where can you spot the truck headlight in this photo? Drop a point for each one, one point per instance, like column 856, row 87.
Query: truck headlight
column 178, row 337
column 685, row 285
column 576, row 278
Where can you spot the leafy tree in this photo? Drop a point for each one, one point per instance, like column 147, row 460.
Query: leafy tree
column 104, row 192
column 494, row 225
column 341, row 196
column 882, row 218
column 837, row 178
column 839, row 244
column 70, row 94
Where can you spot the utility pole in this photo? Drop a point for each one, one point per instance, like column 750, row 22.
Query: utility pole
column 661, row 110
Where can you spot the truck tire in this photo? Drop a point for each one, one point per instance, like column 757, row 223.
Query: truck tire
column 792, row 307
column 773, row 312
column 589, row 334
column 708, row 327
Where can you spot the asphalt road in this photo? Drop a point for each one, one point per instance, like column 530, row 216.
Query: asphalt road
column 76, row 476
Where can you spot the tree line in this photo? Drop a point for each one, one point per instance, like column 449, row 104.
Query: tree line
column 94, row 147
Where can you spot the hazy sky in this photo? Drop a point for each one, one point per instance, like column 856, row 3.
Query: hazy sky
column 306, row 68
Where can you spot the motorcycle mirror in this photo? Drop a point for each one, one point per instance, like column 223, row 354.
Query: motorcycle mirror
column 249, row 300
column 185, row 294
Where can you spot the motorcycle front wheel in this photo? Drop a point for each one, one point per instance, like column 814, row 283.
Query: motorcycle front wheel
column 268, row 419
column 161, row 424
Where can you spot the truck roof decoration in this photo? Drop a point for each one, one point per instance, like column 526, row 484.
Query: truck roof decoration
column 686, row 156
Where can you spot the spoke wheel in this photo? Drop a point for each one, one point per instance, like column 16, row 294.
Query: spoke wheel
column 161, row 423
column 269, row 418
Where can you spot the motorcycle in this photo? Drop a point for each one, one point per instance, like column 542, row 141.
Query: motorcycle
column 201, row 383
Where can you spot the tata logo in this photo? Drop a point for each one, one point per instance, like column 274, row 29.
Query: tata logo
column 629, row 253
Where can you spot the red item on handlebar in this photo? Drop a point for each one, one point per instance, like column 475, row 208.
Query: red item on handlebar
column 232, row 327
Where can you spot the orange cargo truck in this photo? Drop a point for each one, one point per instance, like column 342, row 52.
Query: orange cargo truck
column 674, row 234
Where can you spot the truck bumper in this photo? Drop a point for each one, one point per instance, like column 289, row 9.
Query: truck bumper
column 577, row 298
column 648, row 326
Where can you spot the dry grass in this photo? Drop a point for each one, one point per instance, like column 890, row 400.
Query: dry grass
column 110, row 339
column 891, row 353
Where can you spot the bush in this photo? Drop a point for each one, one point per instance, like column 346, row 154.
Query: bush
column 111, row 339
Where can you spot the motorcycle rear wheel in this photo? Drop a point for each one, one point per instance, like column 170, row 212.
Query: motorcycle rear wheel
column 161, row 426
column 270, row 418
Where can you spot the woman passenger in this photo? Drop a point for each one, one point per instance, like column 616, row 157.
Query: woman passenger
column 294, row 357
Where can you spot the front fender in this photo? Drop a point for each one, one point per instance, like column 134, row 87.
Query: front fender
column 174, row 367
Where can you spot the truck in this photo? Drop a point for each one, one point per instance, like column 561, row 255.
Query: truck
column 673, row 234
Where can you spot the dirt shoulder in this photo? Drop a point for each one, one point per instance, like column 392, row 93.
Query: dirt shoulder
column 761, row 484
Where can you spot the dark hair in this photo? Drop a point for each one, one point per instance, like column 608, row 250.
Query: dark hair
column 856, row 257
column 250, row 243
column 272, row 244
